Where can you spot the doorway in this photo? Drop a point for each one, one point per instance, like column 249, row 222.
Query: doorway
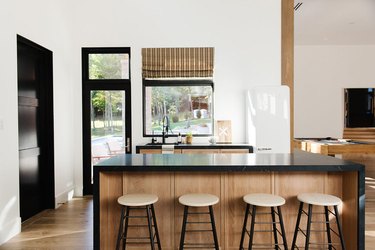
column 35, row 128
column 106, row 105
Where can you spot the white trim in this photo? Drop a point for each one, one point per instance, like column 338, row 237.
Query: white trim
column 78, row 191
column 64, row 197
column 10, row 229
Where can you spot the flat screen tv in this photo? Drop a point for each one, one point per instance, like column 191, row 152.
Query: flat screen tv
column 359, row 107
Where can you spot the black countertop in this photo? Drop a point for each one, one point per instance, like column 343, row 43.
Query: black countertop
column 299, row 161
column 198, row 146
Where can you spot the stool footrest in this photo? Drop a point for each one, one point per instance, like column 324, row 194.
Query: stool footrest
column 266, row 246
column 199, row 245
column 198, row 230
column 198, row 213
column 267, row 223
column 198, row 222
column 135, row 216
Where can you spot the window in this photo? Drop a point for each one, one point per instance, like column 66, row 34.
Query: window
column 182, row 105
column 108, row 66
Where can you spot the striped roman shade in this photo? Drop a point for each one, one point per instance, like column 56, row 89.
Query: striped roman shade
column 177, row 62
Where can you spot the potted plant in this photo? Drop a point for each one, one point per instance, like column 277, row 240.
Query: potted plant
column 189, row 138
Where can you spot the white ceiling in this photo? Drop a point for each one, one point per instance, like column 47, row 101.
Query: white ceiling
column 335, row 22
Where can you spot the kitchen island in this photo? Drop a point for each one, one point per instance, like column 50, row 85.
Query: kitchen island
column 228, row 176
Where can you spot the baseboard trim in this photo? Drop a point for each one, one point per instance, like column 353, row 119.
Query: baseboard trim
column 9, row 230
column 64, row 197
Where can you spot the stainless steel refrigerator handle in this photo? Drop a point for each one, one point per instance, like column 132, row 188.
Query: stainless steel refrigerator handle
column 127, row 145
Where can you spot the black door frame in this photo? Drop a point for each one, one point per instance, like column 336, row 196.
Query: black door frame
column 100, row 84
column 46, row 124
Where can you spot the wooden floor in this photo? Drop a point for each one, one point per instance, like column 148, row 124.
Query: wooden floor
column 68, row 227
column 71, row 227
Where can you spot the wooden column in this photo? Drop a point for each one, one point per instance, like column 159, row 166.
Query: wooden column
column 287, row 55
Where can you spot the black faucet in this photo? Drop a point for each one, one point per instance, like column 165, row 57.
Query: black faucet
column 165, row 128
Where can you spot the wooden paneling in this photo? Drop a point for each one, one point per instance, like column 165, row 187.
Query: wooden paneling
column 289, row 185
column 234, row 151
column 198, row 183
column 360, row 134
column 160, row 184
column 349, row 209
column 156, row 151
column 369, row 161
column 110, row 190
column 230, row 188
column 287, row 54
column 237, row 185
column 150, row 151
column 200, row 151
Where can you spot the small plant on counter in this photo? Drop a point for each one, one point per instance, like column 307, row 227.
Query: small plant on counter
column 189, row 137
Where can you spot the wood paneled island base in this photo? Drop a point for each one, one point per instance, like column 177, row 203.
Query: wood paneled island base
column 230, row 183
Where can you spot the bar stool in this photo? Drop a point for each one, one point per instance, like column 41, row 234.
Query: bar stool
column 198, row 200
column 263, row 200
column 317, row 199
column 138, row 202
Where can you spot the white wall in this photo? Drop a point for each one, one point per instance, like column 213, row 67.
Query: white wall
column 321, row 74
column 44, row 23
column 246, row 36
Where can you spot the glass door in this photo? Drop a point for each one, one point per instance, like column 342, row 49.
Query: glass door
column 107, row 124
column 106, row 107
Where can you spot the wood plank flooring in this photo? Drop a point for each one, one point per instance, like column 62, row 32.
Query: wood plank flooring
column 71, row 227
column 68, row 227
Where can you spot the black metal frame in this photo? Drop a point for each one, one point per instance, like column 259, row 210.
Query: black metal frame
column 151, row 225
column 174, row 83
column 274, row 230
column 185, row 221
column 328, row 227
column 100, row 84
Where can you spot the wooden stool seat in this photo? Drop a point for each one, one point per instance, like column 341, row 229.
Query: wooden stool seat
column 319, row 199
column 264, row 200
column 137, row 200
column 198, row 200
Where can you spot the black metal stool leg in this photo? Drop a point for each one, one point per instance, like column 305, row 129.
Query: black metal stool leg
column 183, row 230
column 274, row 228
column 328, row 228
column 339, row 228
column 156, row 226
column 126, row 227
column 214, row 228
column 283, row 234
column 152, row 242
column 252, row 227
column 244, row 226
column 297, row 225
column 120, row 230
column 309, row 215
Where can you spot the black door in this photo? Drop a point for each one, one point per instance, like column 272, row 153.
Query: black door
column 35, row 128
column 106, row 107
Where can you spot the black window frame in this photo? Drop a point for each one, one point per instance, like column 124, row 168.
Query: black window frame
column 100, row 84
column 157, row 82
